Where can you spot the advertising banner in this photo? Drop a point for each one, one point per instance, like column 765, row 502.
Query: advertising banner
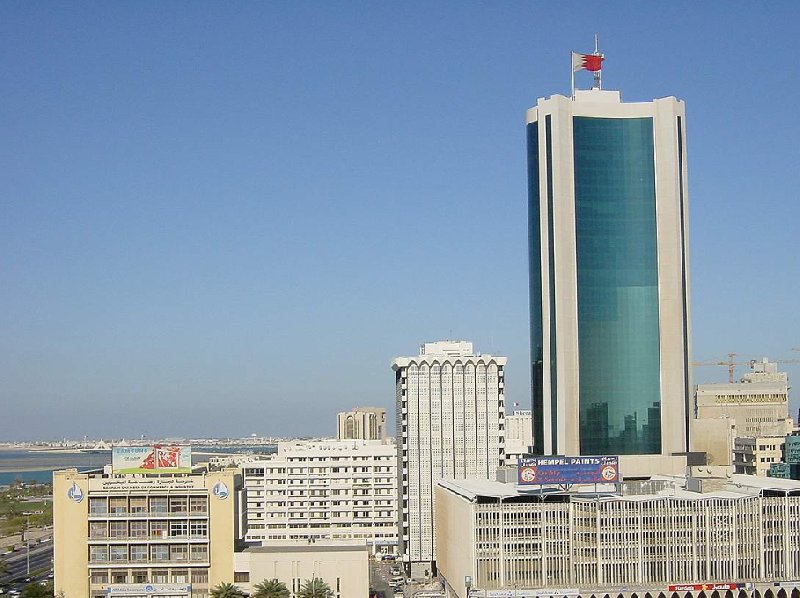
column 568, row 470
column 151, row 459
column 702, row 587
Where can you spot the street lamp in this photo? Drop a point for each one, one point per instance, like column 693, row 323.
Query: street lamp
column 27, row 539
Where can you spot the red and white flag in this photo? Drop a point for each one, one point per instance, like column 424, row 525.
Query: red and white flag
column 587, row 62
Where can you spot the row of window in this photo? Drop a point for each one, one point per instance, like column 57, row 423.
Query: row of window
column 148, row 529
column 142, row 553
column 148, row 504
column 194, row 576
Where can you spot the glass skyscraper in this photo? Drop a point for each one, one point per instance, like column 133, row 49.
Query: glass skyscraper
column 609, row 297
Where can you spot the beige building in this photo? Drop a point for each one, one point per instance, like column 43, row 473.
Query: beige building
column 325, row 489
column 753, row 456
column 759, row 403
column 342, row 564
column 497, row 540
column 362, row 423
column 143, row 536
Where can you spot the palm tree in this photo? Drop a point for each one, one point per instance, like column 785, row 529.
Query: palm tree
column 315, row 588
column 270, row 588
column 226, row 590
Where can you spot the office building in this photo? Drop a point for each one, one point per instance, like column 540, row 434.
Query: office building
column 759, row 403
column 362, row 423
column 497, row 540
column 143, row 535
column 327, row 489
column 609, row 276
column 450, row 424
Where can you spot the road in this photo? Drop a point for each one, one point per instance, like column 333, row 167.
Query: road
column 17, row 563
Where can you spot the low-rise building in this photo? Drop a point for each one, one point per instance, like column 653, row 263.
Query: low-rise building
column 342, row 564
column 497, row 539
column 315, row 490
column 141, row 535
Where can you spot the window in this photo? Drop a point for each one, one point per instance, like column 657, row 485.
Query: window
column 199, row 552
column 159, row 552
column 178, row 529
column 118, row 504
column 98, row 554
column 158, row 504
column 97, row 529
column 98, row 506
column 138, row 529
column 180, row 576
column 118, row 529
column 179, row 504
column 198, row 529
column 119, row 577
column 140, row 577
column 198, row 504
column 199, row 575
column 160, row 576
column 138, row 504
column 99, row 577
column 159, row 529
column 139, row 552
column 118, row 553
column 241, row 576
column 179, row 552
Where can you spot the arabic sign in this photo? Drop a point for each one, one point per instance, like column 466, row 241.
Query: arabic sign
column 702, row 587
column 567, row 470
column 151, row 459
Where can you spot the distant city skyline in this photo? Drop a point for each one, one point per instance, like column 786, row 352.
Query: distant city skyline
column 225, row 220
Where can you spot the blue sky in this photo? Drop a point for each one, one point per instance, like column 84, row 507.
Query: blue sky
column 224, row 219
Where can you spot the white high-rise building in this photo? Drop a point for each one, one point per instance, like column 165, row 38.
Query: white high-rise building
column 325, row 489
column 450, row 424
column 609, row 276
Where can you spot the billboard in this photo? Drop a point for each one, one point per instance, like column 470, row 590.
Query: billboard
column 151, row 459
column 702, row 587
column 567, row 470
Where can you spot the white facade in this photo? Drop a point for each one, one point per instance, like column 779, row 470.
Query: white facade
column 362, row 423
column 335, row 489
column 511, row 543
column 622, row 390
column 450, row 418
column 519, row 434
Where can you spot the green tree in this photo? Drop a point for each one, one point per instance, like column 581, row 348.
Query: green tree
column 226, row 590
column 37, row 590
column 270, row 588
column 315, row 588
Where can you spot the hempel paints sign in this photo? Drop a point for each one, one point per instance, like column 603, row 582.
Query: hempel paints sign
column 567, row 470
column 151, row 459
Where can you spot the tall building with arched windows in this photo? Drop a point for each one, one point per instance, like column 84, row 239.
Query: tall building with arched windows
column 450, row 415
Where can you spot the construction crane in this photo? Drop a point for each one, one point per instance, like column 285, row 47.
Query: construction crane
column 731, row 364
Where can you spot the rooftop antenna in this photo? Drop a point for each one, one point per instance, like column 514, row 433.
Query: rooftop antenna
column 598, row 74
column 588, row 62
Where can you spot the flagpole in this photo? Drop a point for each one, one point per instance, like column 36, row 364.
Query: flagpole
column 598, row 75
column 572, row 72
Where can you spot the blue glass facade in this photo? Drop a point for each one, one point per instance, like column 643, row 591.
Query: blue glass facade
column 617, row 278
column 535, row 288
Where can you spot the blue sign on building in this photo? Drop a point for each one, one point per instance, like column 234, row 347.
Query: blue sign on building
column 568, row 470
